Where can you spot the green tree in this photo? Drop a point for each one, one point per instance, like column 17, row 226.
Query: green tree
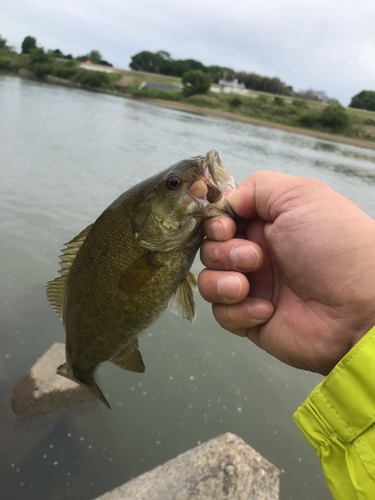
column 164, row 55
column 95, row 56
column 3, row 43
column 175, row 67
column 147, row 61
column 56, row 53
column 364, row 100
column 334, row 116
column 196, row 82
column 219, row 72
column 314, row 95
column 162, row 62
column 28, row 44
column 40, row 62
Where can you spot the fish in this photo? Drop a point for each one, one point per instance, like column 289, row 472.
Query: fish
column 121, row 273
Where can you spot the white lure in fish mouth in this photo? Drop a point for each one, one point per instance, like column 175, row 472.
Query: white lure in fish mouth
column 209, row 187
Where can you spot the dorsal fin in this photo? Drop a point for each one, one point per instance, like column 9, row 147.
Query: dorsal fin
column 56, row 288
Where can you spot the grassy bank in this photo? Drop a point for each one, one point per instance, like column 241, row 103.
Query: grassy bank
column 283, row 111
column 40, row 65
column 332, row 122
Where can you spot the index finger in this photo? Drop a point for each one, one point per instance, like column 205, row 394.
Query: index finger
column 265, row 194
column 220, row 228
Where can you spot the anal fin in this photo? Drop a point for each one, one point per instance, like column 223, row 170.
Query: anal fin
column 130, row 359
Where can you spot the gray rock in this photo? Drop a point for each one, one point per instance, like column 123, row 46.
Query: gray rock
column 41, row 390
column 225, row 468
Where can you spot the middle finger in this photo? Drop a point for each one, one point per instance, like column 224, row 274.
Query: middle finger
column 223, row 287
column 232, row 255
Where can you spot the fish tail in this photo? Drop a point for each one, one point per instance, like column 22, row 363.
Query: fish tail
column 93, row 386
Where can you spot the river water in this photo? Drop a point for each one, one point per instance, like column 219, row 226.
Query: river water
column 65, row 155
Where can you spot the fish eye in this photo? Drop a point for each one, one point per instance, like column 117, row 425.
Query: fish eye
column 173, row 182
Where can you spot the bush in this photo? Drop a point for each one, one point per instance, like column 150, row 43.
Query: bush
column 92, row 78
column 235, row 102
column 67, row 70
column 41, row 70
column 278, row 101
column 261, row 99
column 39, row 56
column 196, row 82
column 334, row 116
column 8, row 64
column 299, row 103
column 40, row 63
column 308, row 120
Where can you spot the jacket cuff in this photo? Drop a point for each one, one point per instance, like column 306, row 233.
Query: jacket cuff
column 342, row 405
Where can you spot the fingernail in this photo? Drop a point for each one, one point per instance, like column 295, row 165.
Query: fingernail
column 259, row 310
column 244, row 257
column 215, row 230
column 229, row 286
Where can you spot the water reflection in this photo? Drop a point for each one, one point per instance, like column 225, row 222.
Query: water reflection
column 329, row 147
column 350, row 151
column 367, row 176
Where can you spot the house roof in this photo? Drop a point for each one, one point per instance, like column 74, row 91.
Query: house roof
column 159, row 86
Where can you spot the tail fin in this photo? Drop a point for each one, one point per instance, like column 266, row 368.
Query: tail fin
column 93, row 386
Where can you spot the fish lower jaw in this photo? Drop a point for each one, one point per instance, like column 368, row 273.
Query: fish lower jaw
column 203, row 203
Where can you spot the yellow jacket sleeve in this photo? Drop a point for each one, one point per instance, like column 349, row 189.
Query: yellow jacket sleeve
column 338, row 420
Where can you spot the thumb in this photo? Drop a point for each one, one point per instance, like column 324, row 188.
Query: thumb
column 264, row 194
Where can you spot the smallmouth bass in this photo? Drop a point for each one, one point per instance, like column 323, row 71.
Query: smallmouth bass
column 121, row 272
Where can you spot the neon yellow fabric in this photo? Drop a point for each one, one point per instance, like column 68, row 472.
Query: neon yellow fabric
column 338, row 420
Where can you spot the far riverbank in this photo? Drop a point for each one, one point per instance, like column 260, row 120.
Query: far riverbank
column 263, row 123
column 193, row 108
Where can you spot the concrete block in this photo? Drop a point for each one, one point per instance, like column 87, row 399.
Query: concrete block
column 225, row 468
column 41, row 390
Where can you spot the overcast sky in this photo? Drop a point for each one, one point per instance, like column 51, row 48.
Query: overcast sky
column 320, row 44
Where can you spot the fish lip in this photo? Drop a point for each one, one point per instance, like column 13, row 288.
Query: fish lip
column 210, row 169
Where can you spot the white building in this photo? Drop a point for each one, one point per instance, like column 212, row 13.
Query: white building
column 230, row 86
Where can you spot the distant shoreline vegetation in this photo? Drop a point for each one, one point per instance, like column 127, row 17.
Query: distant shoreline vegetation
column 311, row 110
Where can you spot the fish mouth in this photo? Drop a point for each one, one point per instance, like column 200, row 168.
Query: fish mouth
column 211, row 183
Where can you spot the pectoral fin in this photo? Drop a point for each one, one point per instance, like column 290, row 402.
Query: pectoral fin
column 130, row 359
column 192, row 279
column 182, row 302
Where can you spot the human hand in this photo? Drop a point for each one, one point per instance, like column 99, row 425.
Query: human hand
column 295, row 273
